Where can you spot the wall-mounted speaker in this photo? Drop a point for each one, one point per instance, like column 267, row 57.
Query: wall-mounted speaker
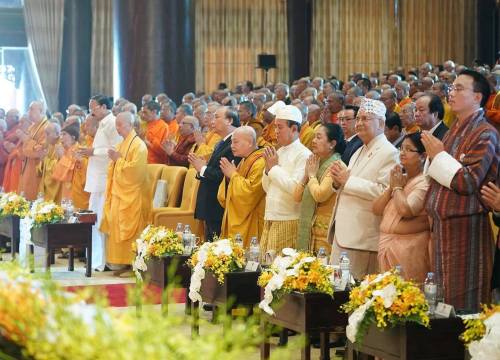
column 266, row 61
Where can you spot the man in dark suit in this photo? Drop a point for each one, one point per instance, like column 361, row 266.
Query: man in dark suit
column 347, row 120
column 210, row 175
column 429, row 115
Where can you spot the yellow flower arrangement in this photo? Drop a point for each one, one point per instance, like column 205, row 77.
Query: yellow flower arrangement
column 295, row 271
column 219, row 257
column 13, row 204
column 222, row 257
column 155, row 242
column 385, row 300
column 475, row 328
column 21, row 305
column 46, row 212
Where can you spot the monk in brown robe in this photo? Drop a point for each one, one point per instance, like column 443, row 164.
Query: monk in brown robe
column 15, row 159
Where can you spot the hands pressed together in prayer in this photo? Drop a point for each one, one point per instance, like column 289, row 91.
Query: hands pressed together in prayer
column 490, row 194
column 199, row 137
column 59, row 151
column 270, row 157
column 8, row 146
column 312, row 166
column 168, row 146
column 86, row 151
column 339, row 172
column 21, row 135
column 113, row 154
column 432, row 144
column 41, row 151
column 397, row 178
column 196, row 161
column 227, row 167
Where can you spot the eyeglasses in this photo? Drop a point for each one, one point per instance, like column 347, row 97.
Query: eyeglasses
column 458, row 88
column 405, row 150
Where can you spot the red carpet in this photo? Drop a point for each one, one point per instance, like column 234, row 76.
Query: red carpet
column 117, row 293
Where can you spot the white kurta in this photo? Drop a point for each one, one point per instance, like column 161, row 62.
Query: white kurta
column 354, row 224
column 281, row 181
column 105, row 138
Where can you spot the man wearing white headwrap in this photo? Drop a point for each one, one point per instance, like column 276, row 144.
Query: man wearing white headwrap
column 283, row 172
column 354, row 227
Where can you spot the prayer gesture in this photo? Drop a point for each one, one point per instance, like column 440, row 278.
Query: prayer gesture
column 86, row 151
column 432, row 144
column 228, row 168
column 312, row 165
column 397, row 178
column 8, row 146
column 168, row 146
column 21, row 135
column 490, row 193
column 339, row 173
column 113, row 154
column 59, row 151
column 196, row 161
column 199, row 137
column 271, row 158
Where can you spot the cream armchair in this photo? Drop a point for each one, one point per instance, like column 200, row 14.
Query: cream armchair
column 170, row 216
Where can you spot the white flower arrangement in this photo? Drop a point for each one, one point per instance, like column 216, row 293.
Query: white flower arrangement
column 294, row 271
column 219, row 257
column 489, row 346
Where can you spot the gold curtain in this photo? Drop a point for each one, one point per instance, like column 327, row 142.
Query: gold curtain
column 433, row 31
column 352, row 35
column 101, row 63
column 229, row 34
column 370, row 35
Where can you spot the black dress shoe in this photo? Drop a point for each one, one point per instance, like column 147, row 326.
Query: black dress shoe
column 333, row 344
column 208, row 307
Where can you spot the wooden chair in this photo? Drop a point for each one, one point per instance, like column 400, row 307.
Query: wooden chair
column 170, row 216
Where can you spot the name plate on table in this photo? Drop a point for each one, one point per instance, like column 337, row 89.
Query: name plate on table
column 444, row 310
column 252, row 266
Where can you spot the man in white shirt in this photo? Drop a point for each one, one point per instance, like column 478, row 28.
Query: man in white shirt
column 284, row 170
column 105, row 138
column 355, row 228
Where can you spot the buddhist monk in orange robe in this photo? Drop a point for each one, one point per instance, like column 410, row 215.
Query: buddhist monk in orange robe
column 157, row 132
column 14, row 162
column 127, row 208
column 33, row 150
column 493, row 109
column 9, row 139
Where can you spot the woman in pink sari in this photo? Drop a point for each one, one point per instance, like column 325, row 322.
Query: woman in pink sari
column 405, row 230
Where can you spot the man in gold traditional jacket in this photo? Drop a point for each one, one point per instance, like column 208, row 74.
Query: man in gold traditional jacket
column 53, row 151
column 241, row 192
column 128, row 202
column 32, row 150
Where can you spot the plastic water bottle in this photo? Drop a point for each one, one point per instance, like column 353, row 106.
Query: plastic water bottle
column 345, row 267
column 322, row 257
column 398, row 269
column 178, row 231
column 430, row 292
column 187, row 240
column 254, row 251
column 238, row 240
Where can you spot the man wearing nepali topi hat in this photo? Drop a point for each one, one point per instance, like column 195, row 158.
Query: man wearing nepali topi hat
column 354, row 227
column 283, row 172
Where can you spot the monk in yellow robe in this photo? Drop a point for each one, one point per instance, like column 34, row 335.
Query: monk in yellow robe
column 33, row 150
column 240, row 192
column 205, row 142
column 156, row 133
column 306, row 135
column 127, row 207
column 67, row 169
column 53, row 151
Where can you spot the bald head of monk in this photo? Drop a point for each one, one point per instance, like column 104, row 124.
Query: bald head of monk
column 243, row 141
column 52, row 132
column 124, row 123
